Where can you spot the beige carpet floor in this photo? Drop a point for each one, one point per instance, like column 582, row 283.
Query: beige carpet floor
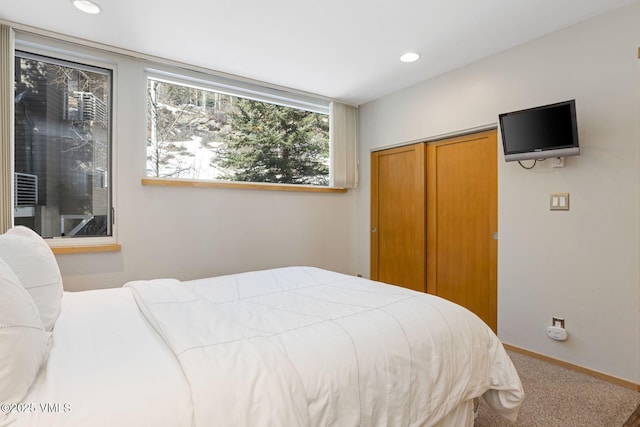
column 559, row 397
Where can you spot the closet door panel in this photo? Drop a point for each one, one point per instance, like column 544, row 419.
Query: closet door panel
column 398, row 209
column 462, row 219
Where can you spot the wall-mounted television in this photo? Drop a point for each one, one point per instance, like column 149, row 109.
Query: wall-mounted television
column 540, row 132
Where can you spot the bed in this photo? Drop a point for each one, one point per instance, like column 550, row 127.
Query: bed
column 296, row 346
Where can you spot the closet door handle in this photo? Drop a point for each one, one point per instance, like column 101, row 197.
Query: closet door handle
column 374, row 229
column 495, row 236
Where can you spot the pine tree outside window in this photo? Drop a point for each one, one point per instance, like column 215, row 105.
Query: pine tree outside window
column 201, row 133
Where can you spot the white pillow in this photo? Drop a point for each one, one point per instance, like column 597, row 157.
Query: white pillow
column 23, row 340
column 32, row 261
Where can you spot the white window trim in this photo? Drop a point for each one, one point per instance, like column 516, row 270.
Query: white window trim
column 241, row 89
column 65, row 51
column 231, row 87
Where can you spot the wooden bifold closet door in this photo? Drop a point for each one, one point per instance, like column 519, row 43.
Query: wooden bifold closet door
column 434, row 219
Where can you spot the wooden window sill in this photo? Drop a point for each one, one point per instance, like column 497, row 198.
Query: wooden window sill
column 61, row 250
column 167, row 182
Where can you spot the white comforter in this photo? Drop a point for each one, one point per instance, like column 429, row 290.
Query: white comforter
column 106, row 367
column 304, row 346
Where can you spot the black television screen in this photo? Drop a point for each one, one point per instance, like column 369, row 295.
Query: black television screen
column 540, row 132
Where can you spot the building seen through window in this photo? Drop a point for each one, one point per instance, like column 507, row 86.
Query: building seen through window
column 62, row 147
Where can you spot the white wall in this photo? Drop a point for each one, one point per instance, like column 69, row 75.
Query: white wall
column 582, row 265
column 191, row 233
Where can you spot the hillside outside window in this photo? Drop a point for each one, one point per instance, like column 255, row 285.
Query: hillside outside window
column 199, row 133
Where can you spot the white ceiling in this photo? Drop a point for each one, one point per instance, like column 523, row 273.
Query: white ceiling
column 346, row 50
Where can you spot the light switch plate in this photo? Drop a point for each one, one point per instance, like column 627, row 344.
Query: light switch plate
column 559, row 202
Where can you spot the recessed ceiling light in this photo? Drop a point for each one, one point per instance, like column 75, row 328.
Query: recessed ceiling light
column 87, row 6
column 410, row 57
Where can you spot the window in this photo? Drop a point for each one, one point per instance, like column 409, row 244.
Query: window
column 62, row 147
column 201, row 133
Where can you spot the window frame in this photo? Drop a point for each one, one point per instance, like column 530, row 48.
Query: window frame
column 63, row 51
column 39, row 41
column 235, row 87
column 238, row 88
